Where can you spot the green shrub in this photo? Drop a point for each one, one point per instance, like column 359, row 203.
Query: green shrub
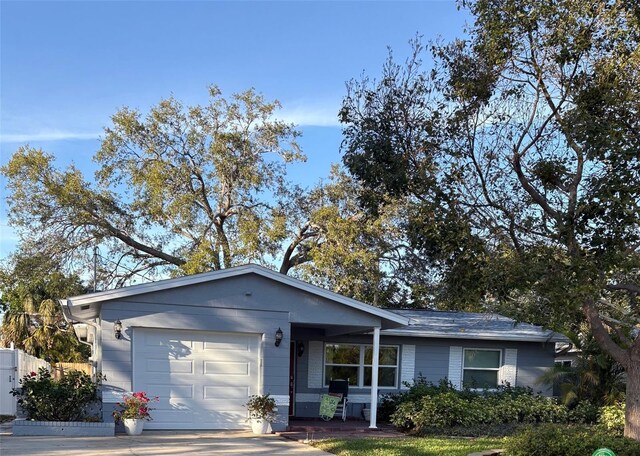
column 563, row 440
column 584, row 412
column 45, row 399
column 426, row 407
column 444, row 410
column 612, row 419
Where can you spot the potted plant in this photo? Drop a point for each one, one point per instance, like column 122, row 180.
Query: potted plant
column 134, row 411
column 262, row 412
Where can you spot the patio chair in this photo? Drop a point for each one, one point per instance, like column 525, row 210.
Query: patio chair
column 339, row 389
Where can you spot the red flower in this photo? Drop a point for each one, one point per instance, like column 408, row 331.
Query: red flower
column 33, row 374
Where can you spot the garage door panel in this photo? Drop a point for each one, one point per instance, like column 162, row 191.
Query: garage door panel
column 229, row 381
column 226, row 368
column 203, row 379
column 223, row 407
column 168, row 392
column 161, row 366
column 179, row 366
column 164, row 340
column 223, row 416
column 171, row 415
column 216, row 392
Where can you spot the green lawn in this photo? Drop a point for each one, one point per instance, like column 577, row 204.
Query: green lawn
column 410, row 446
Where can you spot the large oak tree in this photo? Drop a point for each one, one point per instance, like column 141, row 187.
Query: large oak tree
column 182, row 190
column 179, row 190
column 518, row 155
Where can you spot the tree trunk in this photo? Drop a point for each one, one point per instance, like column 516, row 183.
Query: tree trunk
column 629, row 358
column 632, row 400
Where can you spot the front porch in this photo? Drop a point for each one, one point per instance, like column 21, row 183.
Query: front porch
column 321, row 353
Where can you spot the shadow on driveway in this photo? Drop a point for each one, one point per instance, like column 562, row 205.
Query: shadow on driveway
column 157, row 443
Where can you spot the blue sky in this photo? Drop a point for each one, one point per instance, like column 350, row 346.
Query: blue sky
column 66, row 67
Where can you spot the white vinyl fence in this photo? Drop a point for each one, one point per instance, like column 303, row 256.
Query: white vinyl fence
column 14, row 364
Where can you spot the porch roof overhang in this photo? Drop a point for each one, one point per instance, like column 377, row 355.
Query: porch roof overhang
column 87, row 307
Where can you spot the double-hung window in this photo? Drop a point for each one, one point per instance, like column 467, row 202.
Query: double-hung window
column 354, row 362
column 481, row 368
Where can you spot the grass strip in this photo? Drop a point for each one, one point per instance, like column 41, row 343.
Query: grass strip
column 410, row 446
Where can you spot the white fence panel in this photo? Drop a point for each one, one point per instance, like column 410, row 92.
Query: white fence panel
column 28, row 364
column 14, row 364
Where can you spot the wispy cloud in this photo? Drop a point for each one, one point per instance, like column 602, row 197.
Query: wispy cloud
column 47, row 135
column 299, row 113
column 311, row 116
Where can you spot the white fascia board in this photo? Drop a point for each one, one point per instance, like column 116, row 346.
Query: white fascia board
column 474, row 335
column 160, row 285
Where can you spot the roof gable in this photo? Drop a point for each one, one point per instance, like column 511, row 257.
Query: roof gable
column 87, row 306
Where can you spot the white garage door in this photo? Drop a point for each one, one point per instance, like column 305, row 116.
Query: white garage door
column 202, row 378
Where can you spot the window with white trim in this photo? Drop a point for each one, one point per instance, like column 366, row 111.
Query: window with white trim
column 354, row 362
column 480, row 368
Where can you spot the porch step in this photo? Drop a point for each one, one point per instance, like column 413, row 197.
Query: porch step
column 332, row 426
column 328, row 428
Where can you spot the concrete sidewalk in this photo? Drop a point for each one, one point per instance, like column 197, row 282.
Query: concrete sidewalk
column 157, row 443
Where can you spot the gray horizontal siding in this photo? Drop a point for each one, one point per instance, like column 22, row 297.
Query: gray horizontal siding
column 431, row 362
column 256, row 292
column 533, row 361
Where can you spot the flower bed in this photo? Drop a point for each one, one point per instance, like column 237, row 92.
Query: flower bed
column 64, row 407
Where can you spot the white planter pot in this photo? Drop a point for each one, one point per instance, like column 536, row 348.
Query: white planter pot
column 133, row 427
column 367, row 414
column 260, row 426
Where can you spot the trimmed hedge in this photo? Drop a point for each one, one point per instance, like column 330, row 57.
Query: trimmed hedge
column 553, row 439
column 426, row 407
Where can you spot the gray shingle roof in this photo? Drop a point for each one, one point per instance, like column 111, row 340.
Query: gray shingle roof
column 467, row 325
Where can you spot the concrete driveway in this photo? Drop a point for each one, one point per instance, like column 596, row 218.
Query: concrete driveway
column 157, row 443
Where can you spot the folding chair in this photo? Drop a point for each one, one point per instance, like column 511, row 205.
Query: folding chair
column 340, row 388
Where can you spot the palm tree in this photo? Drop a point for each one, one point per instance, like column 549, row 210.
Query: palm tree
column 594, row 376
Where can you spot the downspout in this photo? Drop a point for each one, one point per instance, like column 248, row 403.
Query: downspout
column 66, row 313
column 87, row 343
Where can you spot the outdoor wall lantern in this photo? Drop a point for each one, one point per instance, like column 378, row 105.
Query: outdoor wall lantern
column 117, row 329
column 300, row 349
column 279, row 336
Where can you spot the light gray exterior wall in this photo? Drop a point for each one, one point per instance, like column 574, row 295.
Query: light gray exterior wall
column 431, row 362
column 252, row 291
column 254, row 304
column 244, row 304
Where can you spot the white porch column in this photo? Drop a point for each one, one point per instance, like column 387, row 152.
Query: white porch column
column 374, row 378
